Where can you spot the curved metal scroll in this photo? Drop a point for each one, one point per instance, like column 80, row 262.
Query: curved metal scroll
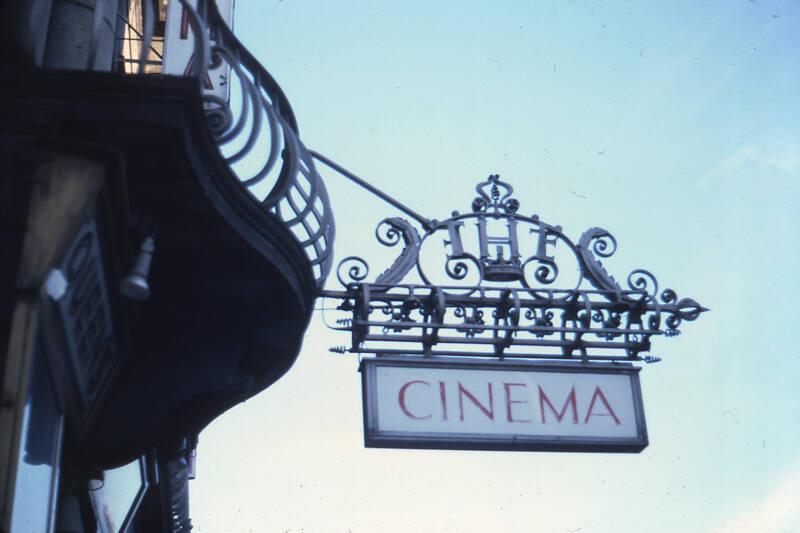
column 258, row 137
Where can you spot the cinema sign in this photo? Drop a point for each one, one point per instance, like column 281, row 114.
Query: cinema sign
column 502, row 405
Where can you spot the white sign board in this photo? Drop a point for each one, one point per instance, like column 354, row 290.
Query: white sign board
column 179, row 55
column 436, row 403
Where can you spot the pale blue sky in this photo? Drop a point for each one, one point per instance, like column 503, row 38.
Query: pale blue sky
column 675, row 125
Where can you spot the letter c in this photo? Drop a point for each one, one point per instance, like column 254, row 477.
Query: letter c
column 401, row 399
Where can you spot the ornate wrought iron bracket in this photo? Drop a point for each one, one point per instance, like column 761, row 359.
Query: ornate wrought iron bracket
column 500, row 301
column 496, row 300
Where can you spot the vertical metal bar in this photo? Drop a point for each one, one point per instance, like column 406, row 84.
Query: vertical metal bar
column 148, row 16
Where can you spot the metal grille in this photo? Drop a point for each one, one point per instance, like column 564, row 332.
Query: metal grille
column 86, row 312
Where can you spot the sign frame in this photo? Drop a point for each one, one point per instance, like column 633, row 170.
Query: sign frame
column 377, row 438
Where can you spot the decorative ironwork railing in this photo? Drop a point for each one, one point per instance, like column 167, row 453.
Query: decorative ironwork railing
column 498, row 300
column 256, row 132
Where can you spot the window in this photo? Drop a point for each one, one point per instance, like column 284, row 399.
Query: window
column 36, row 484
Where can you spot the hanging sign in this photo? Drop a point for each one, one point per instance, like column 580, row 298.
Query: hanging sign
column 438, row 403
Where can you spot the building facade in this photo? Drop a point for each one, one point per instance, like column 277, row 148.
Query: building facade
column 148, row 282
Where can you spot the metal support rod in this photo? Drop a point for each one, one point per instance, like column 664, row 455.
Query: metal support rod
column 482, row 296
column 507, row 355
column 490, row 301
column 429, row 224
column 490, row 327
column 569, row 343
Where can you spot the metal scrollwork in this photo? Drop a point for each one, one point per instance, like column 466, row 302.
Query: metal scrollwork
column 389, row 233
column 357, row 270
column 594, row 243
column 458, row 268
column 497, row 199
column 501, row 296
column 546, row 273
column 643, row 281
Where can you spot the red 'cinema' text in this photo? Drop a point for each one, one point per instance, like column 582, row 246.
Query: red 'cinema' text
column 507, row 402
